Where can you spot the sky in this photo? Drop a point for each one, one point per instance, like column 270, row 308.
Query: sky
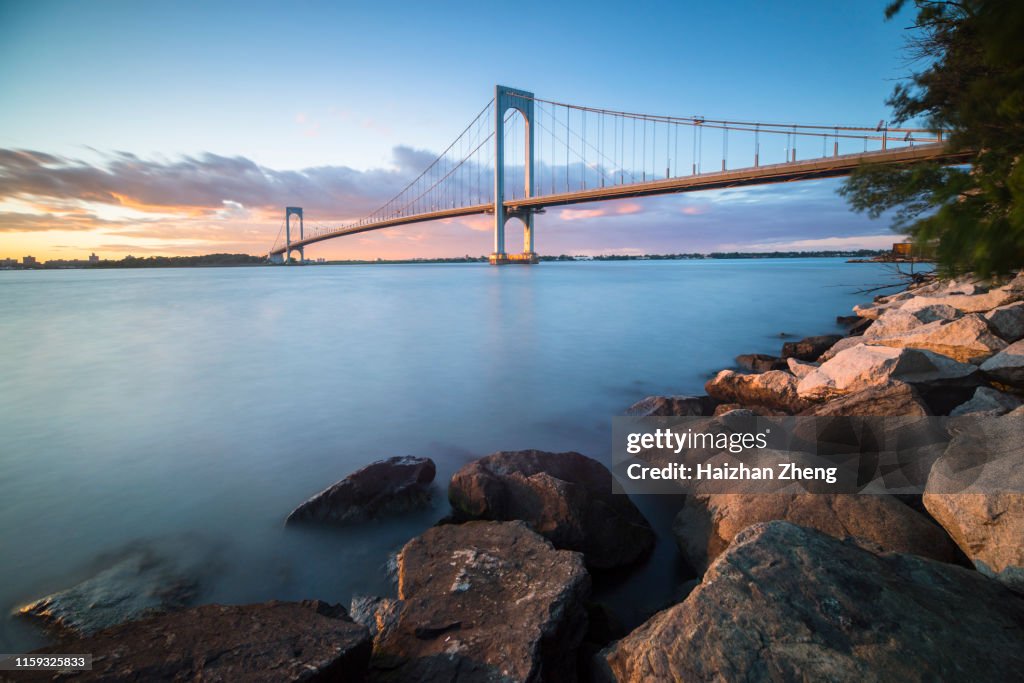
column 185, row 127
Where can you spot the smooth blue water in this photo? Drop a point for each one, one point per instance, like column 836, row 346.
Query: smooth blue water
column 204, row 404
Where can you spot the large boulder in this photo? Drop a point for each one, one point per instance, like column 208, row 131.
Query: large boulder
column 1007, row 321
column 967, row 303
column 566, row 497
column 863, row 366
column 668, row 406
column 809, row 348
column 841, row 345
column 271, row 642
column 786, row 603
column 140, row 582
column 391, row 486
column 707, row 524
column 1007, row 366
column 482, row 601
column 966, row 339
column 775, row 389
column 885, row 400
column 987, row 402
column 976, row 492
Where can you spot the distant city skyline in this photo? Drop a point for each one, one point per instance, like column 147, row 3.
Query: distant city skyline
column 185, row 128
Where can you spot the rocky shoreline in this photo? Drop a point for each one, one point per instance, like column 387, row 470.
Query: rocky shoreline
column 794, row 586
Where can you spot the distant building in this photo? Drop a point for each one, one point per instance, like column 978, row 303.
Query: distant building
column 8, row 263
column 902, row 249
column 29, row 261
column 93, row 258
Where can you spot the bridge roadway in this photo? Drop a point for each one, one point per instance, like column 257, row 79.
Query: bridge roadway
column 823, row 167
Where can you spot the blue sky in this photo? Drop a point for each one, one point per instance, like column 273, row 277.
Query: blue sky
column 338, row 86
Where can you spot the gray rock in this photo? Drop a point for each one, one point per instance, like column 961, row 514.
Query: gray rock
column 809, row 348
column 760, row 362
column 483, row 601
column 987, row 402
column 976, row 492
column 142, row 583
column 786, row 603
column 1007, row 321
column 1007, row 366
column 391, row 486
column 565, row 497
column 892, row 398
column 276, row 641
column 667, row 406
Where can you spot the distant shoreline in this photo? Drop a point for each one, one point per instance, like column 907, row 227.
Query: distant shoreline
column 247, row 260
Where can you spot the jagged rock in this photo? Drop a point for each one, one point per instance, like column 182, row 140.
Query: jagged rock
column 1007, row 366
column 966, row 339
column 667, row 406
column 483, row 601
column 774, row 389
column 1007, row 321
column 760, row 362
column 841, row 345
column 892, row 398
column 566, row 497
column 708, row 523
column 987, row 402
column 274, row 641
column 968, row 303
column 862, row 366
column 391, row 486
column 141, row 583
column 809, row 348
column 976, row 492
column 785, row 603
column 799, row 368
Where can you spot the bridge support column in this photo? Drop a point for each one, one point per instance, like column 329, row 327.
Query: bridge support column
column 522, row 101
column 290, row 211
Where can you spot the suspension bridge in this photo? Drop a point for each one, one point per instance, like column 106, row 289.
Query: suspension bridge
column 522, row 154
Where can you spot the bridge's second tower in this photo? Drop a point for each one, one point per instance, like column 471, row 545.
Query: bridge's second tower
column 290, row 211
column 522, row 101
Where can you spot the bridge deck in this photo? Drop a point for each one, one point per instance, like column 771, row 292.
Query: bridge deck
column 825, row 167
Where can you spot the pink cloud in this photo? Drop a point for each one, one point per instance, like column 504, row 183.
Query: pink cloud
column 580, row 214
column 628, row 208
column 692, row 210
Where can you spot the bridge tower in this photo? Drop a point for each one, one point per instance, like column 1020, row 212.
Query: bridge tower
column 290, row 211
column 504, row 99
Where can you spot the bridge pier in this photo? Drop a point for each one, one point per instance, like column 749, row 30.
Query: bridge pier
column 290, row 211
column 522, row 101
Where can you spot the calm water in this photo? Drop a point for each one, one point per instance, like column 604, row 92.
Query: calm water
column 196, row 407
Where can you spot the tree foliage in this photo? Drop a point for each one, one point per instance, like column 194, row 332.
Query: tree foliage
column 970, row 83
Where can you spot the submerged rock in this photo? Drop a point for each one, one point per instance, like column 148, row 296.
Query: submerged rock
column 707, row 524
column 786, row 603
column 271, row 642
column 391, row 486
column 565, row 497
column 482, row 601
column 140, row 584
